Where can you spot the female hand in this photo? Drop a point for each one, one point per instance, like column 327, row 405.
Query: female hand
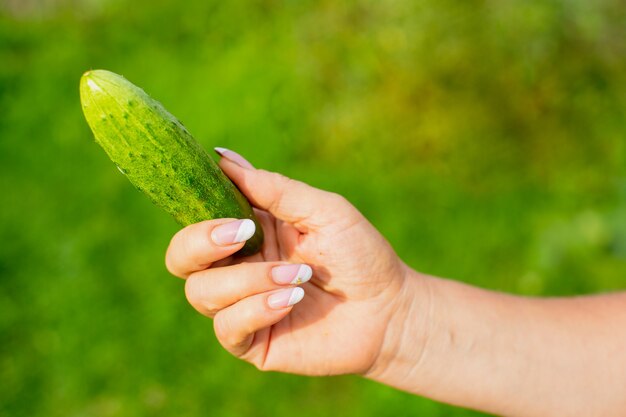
column 366, row 312
column 341, row 318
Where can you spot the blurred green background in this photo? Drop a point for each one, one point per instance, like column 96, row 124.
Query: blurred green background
column 485, row 139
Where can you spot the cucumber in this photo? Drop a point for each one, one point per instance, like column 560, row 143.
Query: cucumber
column 159, row 156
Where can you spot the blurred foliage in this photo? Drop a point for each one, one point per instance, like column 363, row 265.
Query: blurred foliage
column 485, row 139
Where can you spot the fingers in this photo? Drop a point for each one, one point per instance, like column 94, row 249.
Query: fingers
column 235, row 326
column 214, row 289
column 286, row 199
column 196, row 246
column 246, row 298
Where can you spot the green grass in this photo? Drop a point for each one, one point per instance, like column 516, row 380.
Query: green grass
column 484, row 139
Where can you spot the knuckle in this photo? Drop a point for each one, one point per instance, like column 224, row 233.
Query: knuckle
column 287, row 189
column 276, row 177
column 338, row 200
column 224, row 332
column 169, row 264
column 210, row 309
column 337, row 206
column 191, row 289
column 345, row 206
column 281, row 181
column 200, row 296
column 236, row 344
column 170, row 255
column 220, row 328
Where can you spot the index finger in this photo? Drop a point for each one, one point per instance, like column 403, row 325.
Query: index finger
column 197, row 246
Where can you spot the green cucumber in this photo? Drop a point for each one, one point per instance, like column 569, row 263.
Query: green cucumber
column 159, row 156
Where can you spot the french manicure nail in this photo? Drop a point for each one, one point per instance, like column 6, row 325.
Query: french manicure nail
column 233, row 232
column 291, row 274
column 234, row 156
column 285, row 298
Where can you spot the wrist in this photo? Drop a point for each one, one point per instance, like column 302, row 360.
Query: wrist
column 440, row 338
column 408, row 332
column 445, row 337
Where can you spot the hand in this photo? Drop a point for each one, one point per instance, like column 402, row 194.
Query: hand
column 341, row 318
column 366, row 312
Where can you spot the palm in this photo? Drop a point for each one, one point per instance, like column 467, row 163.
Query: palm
column 338, row 326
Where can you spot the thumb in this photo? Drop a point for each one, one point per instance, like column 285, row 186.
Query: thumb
column 287, row 199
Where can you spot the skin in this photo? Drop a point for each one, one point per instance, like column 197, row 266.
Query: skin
column 366, row 312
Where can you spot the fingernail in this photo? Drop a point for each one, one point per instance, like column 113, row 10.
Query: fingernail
column 233, row 156
column 291, row 274
column 233, row 232
column 285, row 298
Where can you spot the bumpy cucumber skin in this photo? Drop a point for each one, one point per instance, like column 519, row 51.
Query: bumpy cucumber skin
column 159, row 156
